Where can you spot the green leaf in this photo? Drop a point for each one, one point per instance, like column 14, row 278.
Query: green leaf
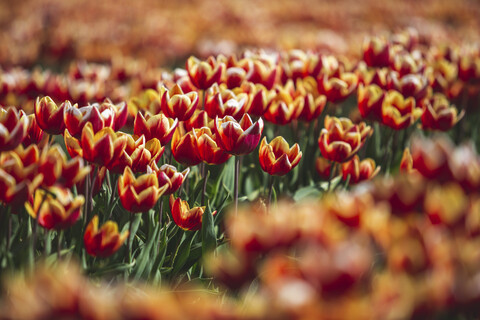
column 306, row 192
column 209, row 239
column 183, row 253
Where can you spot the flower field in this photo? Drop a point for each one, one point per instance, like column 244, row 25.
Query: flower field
column 272, row 164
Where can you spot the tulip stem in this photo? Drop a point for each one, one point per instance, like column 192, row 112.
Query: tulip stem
column 235, row 187
column 92, row 186
column 130, row 237
column 333, row 168
column 59, row 244
column 35, row 229
column 270, row 191
column 205, row 179
column 9, row 230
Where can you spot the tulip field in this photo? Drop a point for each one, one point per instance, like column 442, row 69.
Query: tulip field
column 243, row 161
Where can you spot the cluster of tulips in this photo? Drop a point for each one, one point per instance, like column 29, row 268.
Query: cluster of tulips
column 93, row 171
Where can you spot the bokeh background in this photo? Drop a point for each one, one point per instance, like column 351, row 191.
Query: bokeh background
column 51, row 32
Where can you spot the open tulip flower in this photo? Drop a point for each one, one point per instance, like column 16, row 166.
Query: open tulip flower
column 177, row 104
column 238, row 138
column 13, row 128
column 359, row 170
column 399, row 112
column 101, row 148
column 104, row 242
column 221, row 102
column 207, row 147
column 100, row 116
column 370, row 100
column 337, row 89
column 139, row 194
column 155, row 126
column 277, row 158
column 49, row 116
column 283, row 109
column 438, row 114
column 56, row 209
column 204, row 74
column 137, row 154
column 19, row 177
column 184, row 147
column 168, row 175
column 189, row 219
column 340, row 140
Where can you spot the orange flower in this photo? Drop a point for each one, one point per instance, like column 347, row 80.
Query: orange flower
column 177, row 104
column 204, row 74
column 13, row 128
column 155, row 126
column 370, row 99
column 277, row 158
column 207, row 147
column 438, row 114
column 238, row 138
column 104, row 242
column 139, row 194
column 221, row 102
column 359, row 170
column 137, row 154
column 337, row 89
column 398, row 112
column 49, row 116
column 340, row 140
column 184, row 217
column 168, row 175
column 56, row 209
column 101, row 148
column 184, row 147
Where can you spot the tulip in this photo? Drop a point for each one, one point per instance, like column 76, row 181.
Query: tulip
column 283, row 109
column 234, row 77
column 337, row 89
column 446, row 204
column 56, row 208
column 221, row 102
column 155, row 126
column 177, row 104
column 323, row 167
column 398, row 112
column 49, row 116
column 340, row 140
column 101, row 148
column 263, row 72
column 238, row 138
column 406, row 164
column 376, row 52
column 51, row 164
column 168, row 175
column 259, row 98
column 13, row 128
column 95, row 176
column 310, row 107
column 359, row 170
column 277, row 158
column 35, row 135
column 137, row 154
column 73, row 171
column 438, row 114
column 149, row 100
column 184, row 217
column 76, row 118
column 411, row 85
column 198, row 120
column 139, row 194
column 19, row 177
column 469, row 68
column 405, row 64
column 104, row 242
column 204, row 74
column 184, row 147
column 208, row 150
column 370, row 99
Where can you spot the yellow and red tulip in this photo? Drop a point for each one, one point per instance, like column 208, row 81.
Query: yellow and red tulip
column 184, row 147
column 189, row 219
column 359, row 170
column 282, row 109
column 35, row 135
column 155, row 126
column 376, row 52
column 340, row 140
column 168, row 175
column 221, row 102
column 207, row 147
column 49, row 116
column 204, row 74
column 13, row 128
column 139, row 194
column 238, row 138
column 177, row 104
column 277, row 158
column 370, row 99
column 398, row 112
column 56, row 209
column 337, row 89
column 105, row 241
column 438, row 114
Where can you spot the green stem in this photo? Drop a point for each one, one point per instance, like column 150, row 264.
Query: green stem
column 235, row 187
column 59, row 244
column 332, row 173
column 205, row 179
column 270, row 191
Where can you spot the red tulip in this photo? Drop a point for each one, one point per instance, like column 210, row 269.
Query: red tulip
column 155, row 126
column 277, row 158
column 104, row 242
column 13, row 128
column 184, row 217
column 49, row 116
column 238, row 138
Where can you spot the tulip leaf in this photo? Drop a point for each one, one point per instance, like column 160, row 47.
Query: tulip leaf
column 144, row 262
column 209, row 239
column 306, row 192
column 115, row 268
column 182, row 254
